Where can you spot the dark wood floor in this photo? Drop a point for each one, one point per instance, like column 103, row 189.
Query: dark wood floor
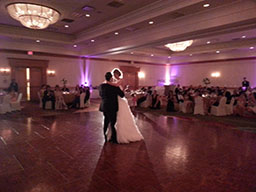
column 65, row 152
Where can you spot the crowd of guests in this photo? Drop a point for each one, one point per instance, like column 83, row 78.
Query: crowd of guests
column 184, row 99
column 81, row 94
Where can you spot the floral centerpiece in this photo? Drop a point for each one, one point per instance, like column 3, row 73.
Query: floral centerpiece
column 64, row 81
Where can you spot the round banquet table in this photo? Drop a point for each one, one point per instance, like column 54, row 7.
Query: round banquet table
column 69, row 98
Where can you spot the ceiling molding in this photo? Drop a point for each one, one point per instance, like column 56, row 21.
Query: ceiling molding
column 143, row 14
column 22, row 32
column 225, row 18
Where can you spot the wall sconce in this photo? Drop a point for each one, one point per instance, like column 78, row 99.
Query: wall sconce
column 215, row 74
column 141, row 75
column 51, row 73
column 5, row 71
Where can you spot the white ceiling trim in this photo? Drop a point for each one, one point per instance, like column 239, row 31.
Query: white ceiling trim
column 240, row 14
column 143, row 14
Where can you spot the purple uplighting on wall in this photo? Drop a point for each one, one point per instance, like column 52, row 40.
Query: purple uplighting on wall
column 167, row 75
column 87, row 72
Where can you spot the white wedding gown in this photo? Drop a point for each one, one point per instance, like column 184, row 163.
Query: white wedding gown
column 126, row 128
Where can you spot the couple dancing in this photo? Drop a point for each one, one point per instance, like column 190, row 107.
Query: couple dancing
column 116, row 111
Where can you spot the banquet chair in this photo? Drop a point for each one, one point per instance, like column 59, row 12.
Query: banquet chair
column 5, row 107
column 199, row 106
column 148, row 102
column 230, row 107
column 82, row 96
column 221, row 109
column 15, row 105
column 48, row 104
column 185, row 108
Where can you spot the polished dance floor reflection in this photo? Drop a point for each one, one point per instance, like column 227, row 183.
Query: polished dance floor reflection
column 66, row 152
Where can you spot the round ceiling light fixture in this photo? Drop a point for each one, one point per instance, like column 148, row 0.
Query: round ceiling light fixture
column 179, row 46
column 33, row 16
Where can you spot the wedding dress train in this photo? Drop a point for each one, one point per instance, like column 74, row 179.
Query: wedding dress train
column 126, row 128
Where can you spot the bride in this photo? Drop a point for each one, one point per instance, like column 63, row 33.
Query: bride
column 126, row 128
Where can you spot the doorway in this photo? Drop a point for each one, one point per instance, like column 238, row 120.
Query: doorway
column 130, row 76
column 30, row 75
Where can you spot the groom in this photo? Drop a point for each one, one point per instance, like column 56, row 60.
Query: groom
column 109, row 105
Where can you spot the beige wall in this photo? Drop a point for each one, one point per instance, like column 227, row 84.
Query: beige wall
column 232, row 73
column 72, row 70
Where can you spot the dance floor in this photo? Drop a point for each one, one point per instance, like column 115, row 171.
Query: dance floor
column 65, row 152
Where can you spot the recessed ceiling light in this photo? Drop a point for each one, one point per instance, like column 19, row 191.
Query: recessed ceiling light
column 38, row 41
column 243, row 36
column 206, row 5
column 151, row 22
column 190, row 55
column 217, row 51
column 75, row 46
column 116, row 33
column 132, row 53
column 87, row 15
column 92, row 40
column 251, row 47
column 152, row 55
column 208, row 42
column 66, row 26
column 169, row 57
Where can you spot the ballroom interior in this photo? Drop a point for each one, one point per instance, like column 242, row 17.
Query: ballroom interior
column 191, row 48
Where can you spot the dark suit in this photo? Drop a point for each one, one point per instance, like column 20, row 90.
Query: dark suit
column 245, row 83
column 109, row 106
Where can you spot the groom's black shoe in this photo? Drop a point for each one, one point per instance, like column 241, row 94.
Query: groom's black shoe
column 113, row 141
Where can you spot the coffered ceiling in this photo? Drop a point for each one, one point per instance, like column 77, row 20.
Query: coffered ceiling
column 103, row 27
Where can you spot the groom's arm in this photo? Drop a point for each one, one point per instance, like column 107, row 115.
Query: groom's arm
column 120, row 92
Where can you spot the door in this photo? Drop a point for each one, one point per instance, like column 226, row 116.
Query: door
column 36, row 81
column 130, row 76
column 130, row 79
column 20, row 77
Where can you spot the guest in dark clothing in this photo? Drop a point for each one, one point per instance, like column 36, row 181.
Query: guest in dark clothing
column 170, row 103
column 65, row 89
column 76, row 101
column 48, row 96
column 155, row 101
column 245, row 84
column 13, row 86
column 228, row 96
column 141, row 100
column 87, row 96
column 149, row 91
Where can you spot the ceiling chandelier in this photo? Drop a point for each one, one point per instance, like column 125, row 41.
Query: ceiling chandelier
column 179, row 46
column 33, row 16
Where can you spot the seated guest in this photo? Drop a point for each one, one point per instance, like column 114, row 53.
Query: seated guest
column 252, row 103
column 65, row 89
column 48, row 96
column 13, row 95
column 155, row 101
column 240, row 107
column 170, row 103
column 228, row 96
column 149, row 91
column 141, row 100
column 60, row 103
column 13, row 86
column 77, row 93
column 87, row 94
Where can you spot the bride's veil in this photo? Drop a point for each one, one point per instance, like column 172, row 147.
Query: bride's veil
column 116, row 69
